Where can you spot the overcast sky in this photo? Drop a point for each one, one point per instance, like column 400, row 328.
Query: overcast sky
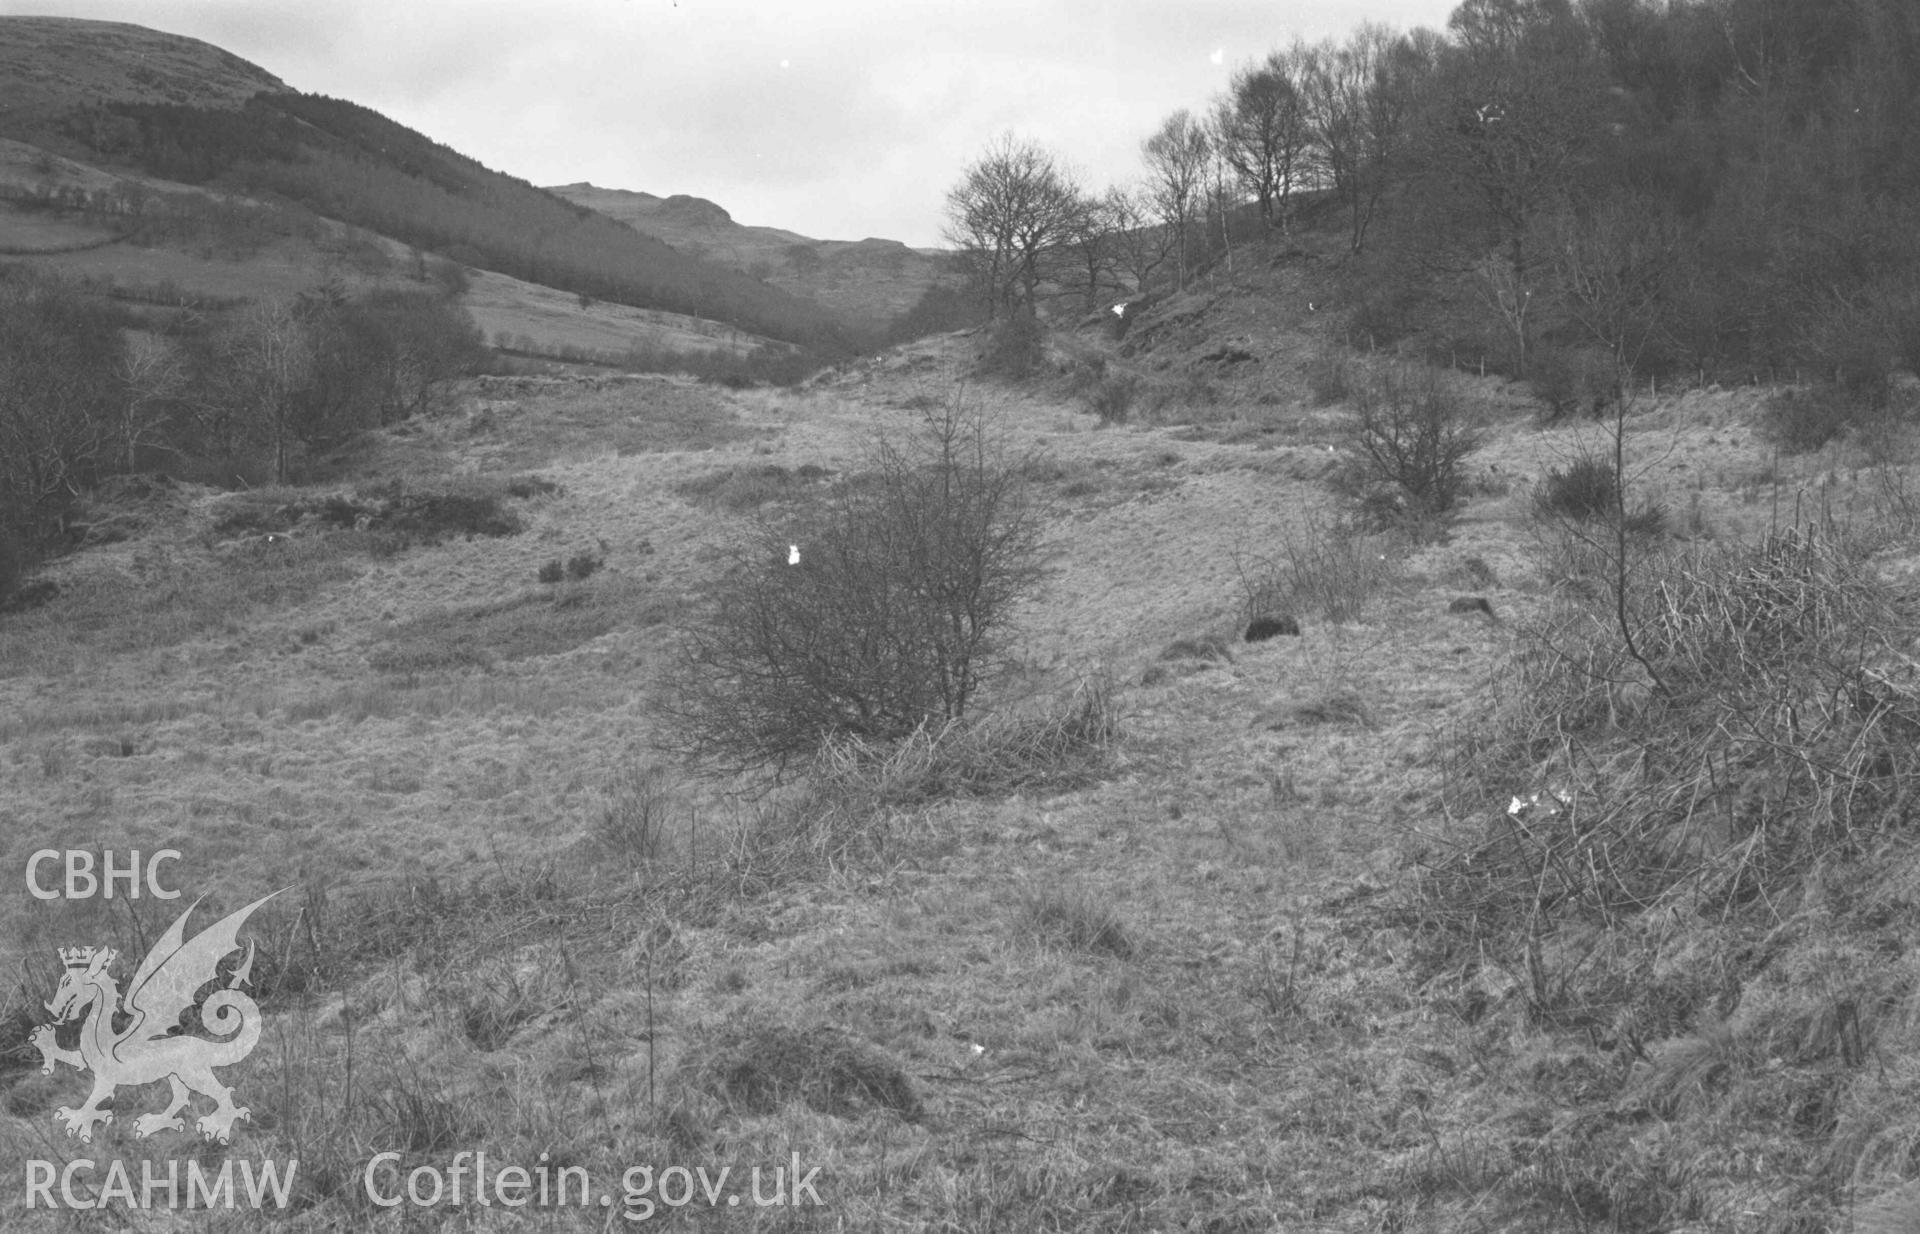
column 839, row 119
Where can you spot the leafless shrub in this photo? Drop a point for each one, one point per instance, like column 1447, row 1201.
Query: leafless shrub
column 893, row 616
column 1589, row 490
column 1329, row 567
column 1573, row 381
column 1802, row 420
column 1016, row 347
column 1408, row 437
column 635, row 823
column 1113, row 397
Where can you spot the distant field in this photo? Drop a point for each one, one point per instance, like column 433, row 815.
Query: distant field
column 503, row 307
column 506, row 308
column 283, row 269
column 28, row 232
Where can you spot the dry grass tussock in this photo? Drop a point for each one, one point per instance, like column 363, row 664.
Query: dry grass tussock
column 1767, row 695
column 1045, row 750
column 1709, row 891
column 1329, row 569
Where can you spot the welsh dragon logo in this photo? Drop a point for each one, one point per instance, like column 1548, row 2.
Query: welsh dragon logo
column 150, row 1045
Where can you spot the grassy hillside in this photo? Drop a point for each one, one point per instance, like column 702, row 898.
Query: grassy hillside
column 193, row 247
column 348, row 163
column 1277, row 957
column 872, row 281
column 54, row 66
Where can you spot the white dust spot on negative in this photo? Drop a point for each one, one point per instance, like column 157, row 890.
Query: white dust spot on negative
column 786, row 64
column 793, row 554
column 1219, row 55
column 1119, row 310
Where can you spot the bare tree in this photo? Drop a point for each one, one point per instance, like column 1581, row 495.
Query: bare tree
column 1402, row 68
column 1264, row 134
column 1361, row 96
column 1611, row 264
column 1222, row 188
column 254, row 373
column 57, row 402
column 1010, row 211
column 1093, row 253
column 1176, row 156
column 151, row 373
column 1333, row 82
column 281, row 356
column 1520, row 108
column 1143, row 244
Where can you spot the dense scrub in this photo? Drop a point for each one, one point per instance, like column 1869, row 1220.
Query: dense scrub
column 86, row 391
column 1572, row 192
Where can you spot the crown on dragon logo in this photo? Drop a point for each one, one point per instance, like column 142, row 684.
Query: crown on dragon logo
column 76, row 957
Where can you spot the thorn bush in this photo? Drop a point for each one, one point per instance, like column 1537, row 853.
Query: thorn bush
column 1409, row 435
column 895, row 616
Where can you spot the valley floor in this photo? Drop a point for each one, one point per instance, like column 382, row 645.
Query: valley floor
column 1173, row 997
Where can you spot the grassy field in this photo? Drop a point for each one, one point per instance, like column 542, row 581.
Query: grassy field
column 1208, row 977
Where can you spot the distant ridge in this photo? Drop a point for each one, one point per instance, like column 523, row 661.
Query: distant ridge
column 637, row 209
column 696, row 211
column 874, row 281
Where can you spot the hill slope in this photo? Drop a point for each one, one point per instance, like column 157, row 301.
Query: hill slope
column 51, row 65
column 195, row 123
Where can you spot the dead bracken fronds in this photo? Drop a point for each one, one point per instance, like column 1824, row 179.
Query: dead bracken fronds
column 636, row 822
column 1781, row 726
column 1054, row 749
column 1697, row 866
column 1330, row 568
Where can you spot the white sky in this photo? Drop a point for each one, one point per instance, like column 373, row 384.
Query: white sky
column 839, row 119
